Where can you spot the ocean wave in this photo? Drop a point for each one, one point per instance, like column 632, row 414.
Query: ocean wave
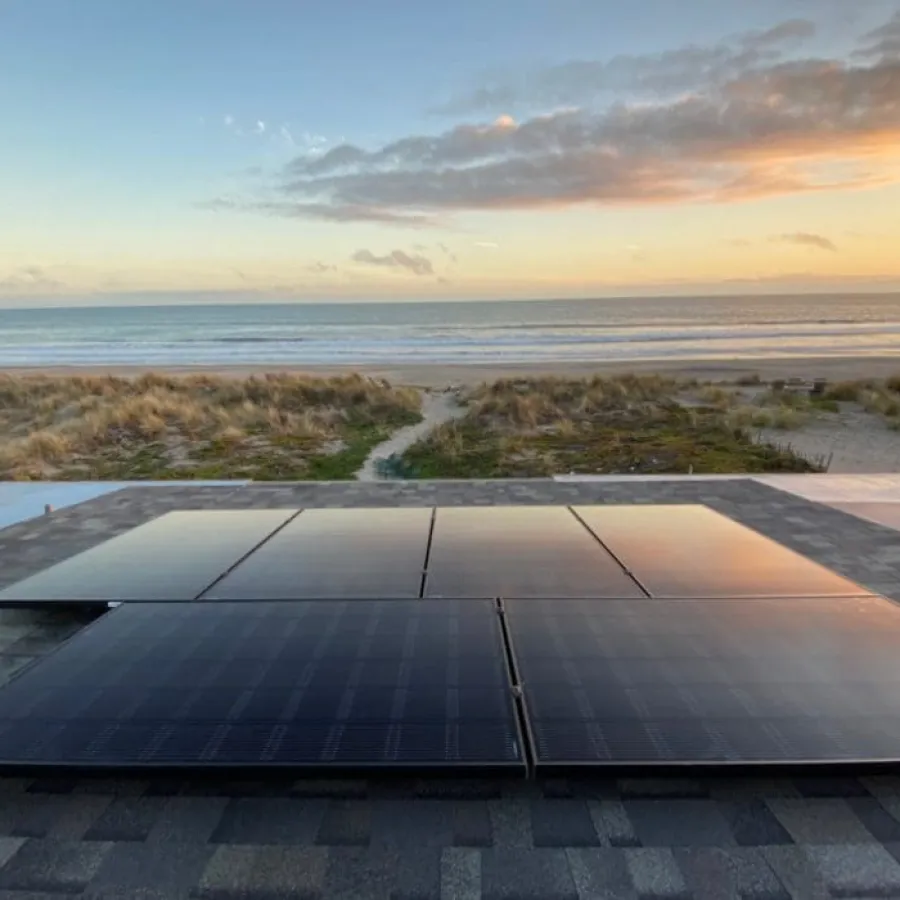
column 491, row 335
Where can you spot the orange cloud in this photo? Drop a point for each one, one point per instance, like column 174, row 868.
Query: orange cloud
column 752, row 124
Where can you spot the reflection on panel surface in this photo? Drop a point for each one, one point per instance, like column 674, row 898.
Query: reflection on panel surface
column 336, row 553
column 692, row 551
column 886, row 514
column 340, row 684
column 709, row 681
column 520, row 551
column 173, row 557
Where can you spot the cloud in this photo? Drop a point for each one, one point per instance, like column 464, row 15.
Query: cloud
column 486, row 245
column 670, row 72
column 29, row 280
column 320, row 268
column 300, row 210
column 806, row 239
column 883, row 42
column 730, row 123
column 396, row 259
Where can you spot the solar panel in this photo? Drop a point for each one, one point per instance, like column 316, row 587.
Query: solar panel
column 336, row 553
column 693, row 552
column 773, row 680
column 887, row 514
column 520, row 551
column 346, row 684
column 173, row 557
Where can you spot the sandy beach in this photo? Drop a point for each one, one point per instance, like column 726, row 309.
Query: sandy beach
column 439, row 376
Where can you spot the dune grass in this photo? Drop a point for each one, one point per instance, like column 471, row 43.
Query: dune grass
column 625, row 425
column 881, row 398
column 197, row 426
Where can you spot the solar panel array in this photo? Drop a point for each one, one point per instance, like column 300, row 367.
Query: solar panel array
column 496, row 638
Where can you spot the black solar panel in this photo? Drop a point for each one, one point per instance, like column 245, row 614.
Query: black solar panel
column 520, row 551
column 336, row 553
column 693, row 552
column 174, row 557
column 778, row 681
column 365, row 684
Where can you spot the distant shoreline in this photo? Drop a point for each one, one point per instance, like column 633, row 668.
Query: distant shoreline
column 439, row 375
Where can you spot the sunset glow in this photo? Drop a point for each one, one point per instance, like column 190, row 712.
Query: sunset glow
column 311, row 153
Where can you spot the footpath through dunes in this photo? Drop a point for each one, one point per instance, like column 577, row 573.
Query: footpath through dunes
column 438, row 408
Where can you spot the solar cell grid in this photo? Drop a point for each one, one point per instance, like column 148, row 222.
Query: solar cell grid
column 307, row 684
column 174, row 557
column 335, row 554
column 691, row 552
column 709, row 681
column 520, row 551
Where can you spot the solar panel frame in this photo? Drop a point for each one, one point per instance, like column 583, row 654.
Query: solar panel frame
column 729, row 560
column 63, row 713
column 208, row 544
column 808, row 733
column 487, row 541
column 316, row 556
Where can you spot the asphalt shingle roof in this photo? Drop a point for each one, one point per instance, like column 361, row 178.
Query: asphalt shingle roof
column 690, row 837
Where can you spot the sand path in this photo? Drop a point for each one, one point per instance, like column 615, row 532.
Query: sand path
column 437, row 407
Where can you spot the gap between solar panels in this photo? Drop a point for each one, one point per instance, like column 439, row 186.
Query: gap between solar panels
column 172, row 558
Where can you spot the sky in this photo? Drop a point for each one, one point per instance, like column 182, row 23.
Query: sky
column 294, row 149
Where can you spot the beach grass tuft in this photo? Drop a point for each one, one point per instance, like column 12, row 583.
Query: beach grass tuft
column 160, row 426
column 632, row 425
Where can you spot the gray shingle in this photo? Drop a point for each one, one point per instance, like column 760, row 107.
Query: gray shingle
column 59, row 816
column 169, row 869
column 820, row 821
column 876, row 819
column 511, row 823
column 712, row 873
column 601, row 874
column 270, row 821
column 460, row 874
column 346, row 823
column 472, row 824
column 126, row 819
column 655, row 873
column 612, row 824
column 188, row 819
column 401, row 824
column 797, row 872
column 563, row 823
column 355, row 873
column 264, row 873
column 743, row 789
column 679, row 823
column 9, row 846
column 526, row 875
column 753, row 824
column 833, row 786
column 54, row 866
column 865, row 870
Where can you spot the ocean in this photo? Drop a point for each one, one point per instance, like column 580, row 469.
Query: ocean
column 385, row 334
